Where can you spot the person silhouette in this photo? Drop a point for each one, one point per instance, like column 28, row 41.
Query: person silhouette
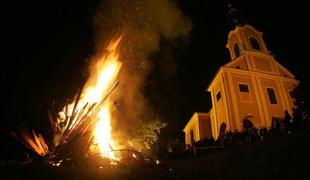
column 288, row 120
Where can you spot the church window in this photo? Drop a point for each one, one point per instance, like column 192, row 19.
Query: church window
column 243, row 88
column 254, row 43
column 218, row 96
column 272, row 96
column 237, row 50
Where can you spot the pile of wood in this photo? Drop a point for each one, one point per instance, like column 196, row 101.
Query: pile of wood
column 76, row 135
column 35, row 142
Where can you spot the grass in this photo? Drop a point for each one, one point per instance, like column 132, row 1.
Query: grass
column 280, row 158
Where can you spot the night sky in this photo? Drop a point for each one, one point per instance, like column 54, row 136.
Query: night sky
column 46, row 45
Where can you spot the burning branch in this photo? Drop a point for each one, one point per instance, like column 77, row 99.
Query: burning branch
column 35, row 143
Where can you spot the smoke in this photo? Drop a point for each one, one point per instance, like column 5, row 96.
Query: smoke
column 143, row 23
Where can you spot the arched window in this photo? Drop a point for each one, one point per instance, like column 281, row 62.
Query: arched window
column 237, row 50
column 254, row 43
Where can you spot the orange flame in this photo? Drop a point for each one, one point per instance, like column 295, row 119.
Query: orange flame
column 103, row 74
column 103, row 133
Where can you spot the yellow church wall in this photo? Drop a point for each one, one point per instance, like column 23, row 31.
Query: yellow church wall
column 262, row 63
column 273, row 110
column 213, row 112
column 235, row 105
column 200, row 124
column 220, row 105
column 252, row 98
column 212, row 123
column 192, row 125
column 260, row 107
column 246, row 102
column 204, row 126
column 229, row 101
column 284, row 85
column 187, row 138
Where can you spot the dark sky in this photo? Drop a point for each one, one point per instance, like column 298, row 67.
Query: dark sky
column 46, row 44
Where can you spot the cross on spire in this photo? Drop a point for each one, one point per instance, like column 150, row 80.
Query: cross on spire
column 234, row 16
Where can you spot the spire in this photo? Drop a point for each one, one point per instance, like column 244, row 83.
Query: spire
column 235, row 18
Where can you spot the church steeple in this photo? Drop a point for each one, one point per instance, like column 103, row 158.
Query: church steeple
column 243, row 37
column 235, row 18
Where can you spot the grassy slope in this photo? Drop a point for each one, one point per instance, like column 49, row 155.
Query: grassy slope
column 281, row 158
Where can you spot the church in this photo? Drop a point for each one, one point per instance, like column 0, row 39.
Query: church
column 252, row 87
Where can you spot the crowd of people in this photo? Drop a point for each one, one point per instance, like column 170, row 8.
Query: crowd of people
column 249, row 135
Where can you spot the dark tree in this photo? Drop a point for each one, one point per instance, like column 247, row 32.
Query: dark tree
column 302, row 108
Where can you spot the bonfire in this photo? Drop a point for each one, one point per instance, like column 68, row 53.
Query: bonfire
column 83, row 127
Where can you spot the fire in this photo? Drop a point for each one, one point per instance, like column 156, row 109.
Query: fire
column 103, row 74
column 88, row 117
column 103, row 133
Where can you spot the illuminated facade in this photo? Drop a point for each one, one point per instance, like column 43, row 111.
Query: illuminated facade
column 198, row 127
column 252, row 86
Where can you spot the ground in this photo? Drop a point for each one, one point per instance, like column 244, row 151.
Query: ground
column 284, row 157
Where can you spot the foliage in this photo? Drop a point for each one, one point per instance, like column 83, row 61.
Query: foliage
column 301, row 96
column 146, row 133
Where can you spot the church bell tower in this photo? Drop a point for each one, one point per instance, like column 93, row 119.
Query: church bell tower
column 243, row 37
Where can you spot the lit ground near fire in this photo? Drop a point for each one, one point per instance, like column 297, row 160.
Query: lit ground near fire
column 280, row 158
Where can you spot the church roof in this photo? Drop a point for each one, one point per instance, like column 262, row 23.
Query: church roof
column 199, row 114
column 280, row 69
